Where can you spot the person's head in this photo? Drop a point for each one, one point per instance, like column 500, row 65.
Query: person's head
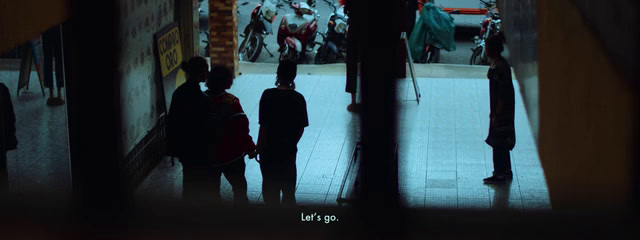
column 196, row 69
column 495, row 45
column 220, row 78
column 287, row 71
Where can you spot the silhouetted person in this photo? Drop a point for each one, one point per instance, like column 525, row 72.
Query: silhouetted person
column 502, row 134
column 353, row 57
column 52, row 49
column 229, row 140
column 8, row 140
column 412, row 7
column 187, row 139
column 282, row 118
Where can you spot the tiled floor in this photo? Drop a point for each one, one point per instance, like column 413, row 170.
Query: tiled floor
column 442, row 154
column 443, row 157
column 40, row 165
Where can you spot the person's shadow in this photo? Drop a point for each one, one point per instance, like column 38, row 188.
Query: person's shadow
column 501, row 196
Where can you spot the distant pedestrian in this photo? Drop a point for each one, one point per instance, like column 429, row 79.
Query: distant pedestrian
column 8, row 140
column 229, row 139
column 52, row 50
column 502, row 135
column 186, row 138
column 282, row 118
column 353, row 56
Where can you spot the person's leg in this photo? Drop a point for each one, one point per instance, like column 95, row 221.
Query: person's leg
column 188, row 182
column 270, row 189
column 57, row 51
column 234, row 172
column 501, row 162
column 196, row 184
column 47, row 54
column 352, row 69
column 501, row 166
column 213, row 189
column 67, row 46
column 288, row 184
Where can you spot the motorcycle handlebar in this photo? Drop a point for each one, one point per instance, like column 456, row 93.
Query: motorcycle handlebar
column 487, row 4
column 331, row 5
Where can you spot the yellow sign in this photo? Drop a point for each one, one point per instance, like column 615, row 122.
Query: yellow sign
column 181, row 78
column 169, row 50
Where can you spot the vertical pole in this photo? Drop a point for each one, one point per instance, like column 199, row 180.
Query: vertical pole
column 380, row 205
column 223, row 25
column 94, row 114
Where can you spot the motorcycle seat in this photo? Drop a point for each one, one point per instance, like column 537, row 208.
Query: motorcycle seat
column 309, row 17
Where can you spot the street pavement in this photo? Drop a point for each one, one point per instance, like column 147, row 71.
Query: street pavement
column 467, row 25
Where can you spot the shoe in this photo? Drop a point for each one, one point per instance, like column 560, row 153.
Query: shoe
column 497, row 179
column 51, row 101
column 508, row 175
column 354, row 107
column 57, row 101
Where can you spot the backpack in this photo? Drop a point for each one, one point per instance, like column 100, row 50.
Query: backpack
column 217, row 125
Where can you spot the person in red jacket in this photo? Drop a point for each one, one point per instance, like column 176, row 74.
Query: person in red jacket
column 229, row 135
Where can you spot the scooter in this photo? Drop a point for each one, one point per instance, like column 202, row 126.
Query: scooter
column 432, row 52
column 334, row 38
column 491, row 24
column 297, row 31
column 262, row 17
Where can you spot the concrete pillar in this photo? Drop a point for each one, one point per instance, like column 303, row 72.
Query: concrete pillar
column 223, row 23
column 588, row 115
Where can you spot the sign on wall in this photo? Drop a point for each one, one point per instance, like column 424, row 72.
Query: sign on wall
column 170, row 58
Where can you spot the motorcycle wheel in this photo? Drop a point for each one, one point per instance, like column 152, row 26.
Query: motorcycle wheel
column 289, row 54
column 324, row 56
column 433, row 56
column 251, row 48
column 476, row 57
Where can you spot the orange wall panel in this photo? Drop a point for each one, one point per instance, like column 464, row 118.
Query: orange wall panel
column 21, row 20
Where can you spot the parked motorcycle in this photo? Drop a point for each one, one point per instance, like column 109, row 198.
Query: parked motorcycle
column 262, row 17
column 297, row 31
column 491, row 24
column 431, row 51
column 334, row 41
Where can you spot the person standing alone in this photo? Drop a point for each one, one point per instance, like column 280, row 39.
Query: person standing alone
column 502, row 133
column 52, row 49
column 282, row 119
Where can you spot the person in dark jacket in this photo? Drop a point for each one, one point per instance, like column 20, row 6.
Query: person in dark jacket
column 186, row 138
column 353, row 56
column 282, row 119
column 52, row 49
column 8, row 140
column 229, row 139
column 502, row 135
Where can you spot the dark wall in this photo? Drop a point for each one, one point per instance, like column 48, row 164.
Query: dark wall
column 588, row 114
column 614, row 22
column 519, row 22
